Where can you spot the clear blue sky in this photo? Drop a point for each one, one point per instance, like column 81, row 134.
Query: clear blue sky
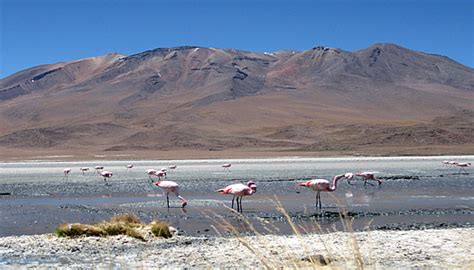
column 37, row 32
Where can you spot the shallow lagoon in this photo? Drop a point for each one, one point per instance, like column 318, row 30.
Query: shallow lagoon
column 418, row 192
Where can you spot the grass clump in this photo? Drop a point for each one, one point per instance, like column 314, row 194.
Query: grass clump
column 160, row 229
column 127, row 219
column 77, row 229
column 127, row 224
column 115, row 228
column 118, row 225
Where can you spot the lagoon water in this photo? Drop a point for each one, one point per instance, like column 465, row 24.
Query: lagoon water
column 417, row 192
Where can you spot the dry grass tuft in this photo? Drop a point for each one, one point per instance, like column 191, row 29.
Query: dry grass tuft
column 118, row 225
column 160, row 229
column 77, row 229
column 327, row 257
column 128, row 219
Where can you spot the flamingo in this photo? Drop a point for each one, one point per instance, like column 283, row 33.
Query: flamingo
column 98, row 168
column 452, row 163
column 172, row 167
column 239, row 190
column 84, row 170
column 348, row 176
column 151, row 172
column 368, row 176
column 161, row 173
column 164, row 170
column 226, row 166
column 129, row 167
column 106, row 174
column 170, row 186
column 323, row 185
column 66, row 173
column 463, row 165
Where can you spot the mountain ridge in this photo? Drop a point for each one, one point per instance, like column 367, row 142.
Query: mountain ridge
column 192, row 97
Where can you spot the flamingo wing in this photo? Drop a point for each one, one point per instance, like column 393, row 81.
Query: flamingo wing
column 167, row 184
column 233, row 189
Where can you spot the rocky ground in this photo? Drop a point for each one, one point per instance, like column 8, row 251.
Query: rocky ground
column 441, row 248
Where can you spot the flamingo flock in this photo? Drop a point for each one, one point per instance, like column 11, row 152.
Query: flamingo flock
column 240, row 190
column 453, row 163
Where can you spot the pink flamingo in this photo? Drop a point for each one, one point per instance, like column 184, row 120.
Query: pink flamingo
column 151, row 172
column 170, row 186
column 84, row 170
column 239, row 190
column 368, row 176
column 106, row 175
column 172, row 167
column 161, row 173
column 347, row 176
column 453, row 163
column 323, row 185
column 226, row 166
column 463, row 165
column 98, row 168
column 164, row 171
column 66, row 173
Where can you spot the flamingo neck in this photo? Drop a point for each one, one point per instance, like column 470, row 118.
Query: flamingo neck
column 334, row 182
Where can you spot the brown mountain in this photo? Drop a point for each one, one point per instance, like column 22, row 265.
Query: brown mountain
column 383, row 99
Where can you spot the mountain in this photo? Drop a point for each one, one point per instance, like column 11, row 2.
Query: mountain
column 382, row 99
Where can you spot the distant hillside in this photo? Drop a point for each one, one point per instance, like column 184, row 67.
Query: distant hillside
column 206, row 99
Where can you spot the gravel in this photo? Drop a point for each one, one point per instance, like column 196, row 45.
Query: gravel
column 445, row 248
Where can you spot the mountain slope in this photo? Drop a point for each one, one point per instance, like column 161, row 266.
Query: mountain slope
column 206, row 98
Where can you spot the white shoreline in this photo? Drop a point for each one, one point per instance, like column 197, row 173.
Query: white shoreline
column 238, row 160
column 440, row 248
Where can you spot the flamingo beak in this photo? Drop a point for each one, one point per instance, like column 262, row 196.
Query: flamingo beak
column 184, row 204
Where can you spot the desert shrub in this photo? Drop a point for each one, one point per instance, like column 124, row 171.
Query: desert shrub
column 160, row 229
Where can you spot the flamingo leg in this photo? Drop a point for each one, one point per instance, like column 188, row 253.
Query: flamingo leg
column 317, row 193
column 240, row 203
column 319, row 199
column 233, row 201
column 167, row 199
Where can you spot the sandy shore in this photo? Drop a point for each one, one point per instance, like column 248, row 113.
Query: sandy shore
column 445, row 248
